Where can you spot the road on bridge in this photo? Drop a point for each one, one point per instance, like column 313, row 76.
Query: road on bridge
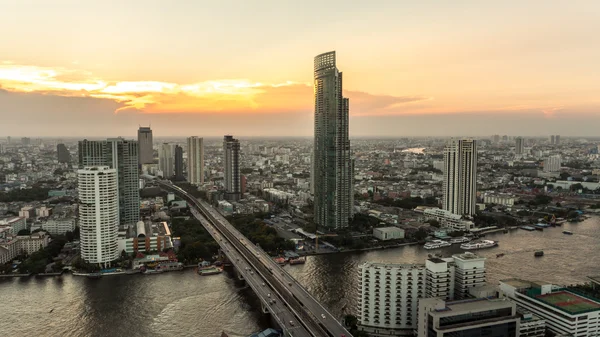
column 307, row 311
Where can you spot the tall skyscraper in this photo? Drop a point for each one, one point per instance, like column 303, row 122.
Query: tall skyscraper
column 98, row 214
column 460, row 177
column 145, row 151
column 62, row 153
column 195, row 160
column 231, row 162
column 552, row 139
column 179, row 163
column 332, row 165
column 557, row 139
column 166, row 160
column 121, row 155
column 519, row 145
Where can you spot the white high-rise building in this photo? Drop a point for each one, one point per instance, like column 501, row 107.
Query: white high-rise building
column 98, row 214
column 469, row 272
column 552, row 163
column 439, row 280
column 166, row 160
column 195, row 160
column 460, row 177
column 388, row 297
column 388, row 293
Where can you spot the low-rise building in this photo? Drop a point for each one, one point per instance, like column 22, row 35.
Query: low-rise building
column 565, row 310
column 531, row 325
column 27, row 212
column 12, row 246
column 59, row 226
column 225, row 207
column 145, row 237
column 388, row 233
column 43, row 212
column 30, row 244
column 474, row 317
column 14, row 224
column 499, row 199
column 449, row 220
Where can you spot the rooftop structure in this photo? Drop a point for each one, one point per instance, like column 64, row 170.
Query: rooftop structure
column 565, row 310
column 438, row 318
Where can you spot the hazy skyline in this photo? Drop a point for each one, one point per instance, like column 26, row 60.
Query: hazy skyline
column 101, row 68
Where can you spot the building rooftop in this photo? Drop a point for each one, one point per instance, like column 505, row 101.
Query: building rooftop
column 392, row 265
column 520, row 284
column 388, row 229
column 469, row 305
column 468, row 256
column 566, row 300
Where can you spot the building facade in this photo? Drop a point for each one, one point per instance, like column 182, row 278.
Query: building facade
column 145, row 150
column 460, row 177
column 98, row 214
column 62, row 153
column 59, row 226
column 388, row 297
column 122, row 155
column 499, row 199
column 179, row 163
column 478, row 317
column 448, row 220
column 388, row 233
column 166, row 160
column 195, row 160
column 552, row 164
column 231, row 162
column 519, row 145
column 332, row 170
column 14, row 225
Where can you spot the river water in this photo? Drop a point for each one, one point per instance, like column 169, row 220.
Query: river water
column 185, row 304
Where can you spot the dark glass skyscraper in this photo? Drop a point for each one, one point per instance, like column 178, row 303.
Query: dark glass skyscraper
column 332, row 164
column 63, row 153
column 231, row 162
column 179, row 163
column 145, row 150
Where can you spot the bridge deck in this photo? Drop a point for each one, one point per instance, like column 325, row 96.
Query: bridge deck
column 298, row 312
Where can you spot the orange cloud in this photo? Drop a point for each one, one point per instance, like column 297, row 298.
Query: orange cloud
column 229, row 95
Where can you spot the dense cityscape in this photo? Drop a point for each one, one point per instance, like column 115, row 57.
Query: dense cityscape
column 113, row 208
column 304, row 168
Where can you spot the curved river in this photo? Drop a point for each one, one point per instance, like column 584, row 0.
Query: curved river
column 185, row 304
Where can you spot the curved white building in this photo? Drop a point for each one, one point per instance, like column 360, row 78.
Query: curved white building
column 98, row 214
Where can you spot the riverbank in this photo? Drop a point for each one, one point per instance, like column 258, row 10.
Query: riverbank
column 359, row 250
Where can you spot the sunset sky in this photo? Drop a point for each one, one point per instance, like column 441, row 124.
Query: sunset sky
column 101, row 68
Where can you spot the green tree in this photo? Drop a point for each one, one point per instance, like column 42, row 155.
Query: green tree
column 420, row 234
column 434, row 223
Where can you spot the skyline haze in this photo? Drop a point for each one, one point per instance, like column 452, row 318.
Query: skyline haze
column 209, row 69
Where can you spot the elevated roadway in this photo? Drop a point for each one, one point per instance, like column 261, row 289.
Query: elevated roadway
column 296, row 310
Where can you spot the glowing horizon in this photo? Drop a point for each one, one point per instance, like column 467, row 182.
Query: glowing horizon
column 400, row 60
